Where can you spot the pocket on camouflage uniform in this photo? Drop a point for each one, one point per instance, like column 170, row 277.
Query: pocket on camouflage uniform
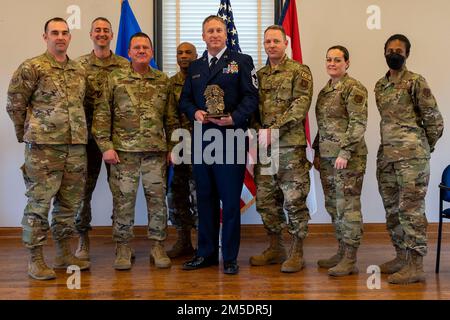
column 353, row 216
column 285, row 90
column 26, row 179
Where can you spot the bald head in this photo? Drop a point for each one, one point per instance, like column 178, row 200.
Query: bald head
column 186, row 53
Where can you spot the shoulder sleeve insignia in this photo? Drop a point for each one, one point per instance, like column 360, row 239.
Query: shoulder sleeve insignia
column 426, row 93
column 358, row 99
column 304, row 84
column 306, row 76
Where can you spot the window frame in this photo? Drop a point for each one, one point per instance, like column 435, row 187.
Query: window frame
column 158, row 23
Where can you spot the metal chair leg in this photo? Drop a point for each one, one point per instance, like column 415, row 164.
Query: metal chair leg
column 438, row 253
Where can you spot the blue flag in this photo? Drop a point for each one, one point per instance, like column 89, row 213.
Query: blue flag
column 226, row 13
column 128, row 26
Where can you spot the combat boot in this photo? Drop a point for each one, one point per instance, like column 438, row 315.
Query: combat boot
column 37, row 268
column 183, row 246
column 124, row 255
column 347, row 265
column 65, row 258
column 275, row 253
column 82, row 252
column 158, row 255
column 411, row 272
column 395, row 264
column 333, row 260
column 295, row 261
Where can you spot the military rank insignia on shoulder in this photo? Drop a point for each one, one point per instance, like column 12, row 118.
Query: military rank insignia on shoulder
column 255, row 78
column 232, row 68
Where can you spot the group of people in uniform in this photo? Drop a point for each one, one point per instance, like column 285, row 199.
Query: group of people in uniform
column 73, row 115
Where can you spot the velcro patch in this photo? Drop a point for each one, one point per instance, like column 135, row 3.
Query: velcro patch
column 304, row 84
column 426, row 93
column 306, row 76
column 358, row 99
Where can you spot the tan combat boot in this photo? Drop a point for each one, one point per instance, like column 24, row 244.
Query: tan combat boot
column 411, row 272
column 37, row 268
column 124, row 256
column 347, row 265
column 295, row 261
column 183, row 246
column 395, row 264
column 82, row 252
column 65, row 258
column 275, row 253
column 158, row 255
column 333, row 260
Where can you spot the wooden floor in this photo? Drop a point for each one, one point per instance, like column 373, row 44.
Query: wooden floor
column 252, row 283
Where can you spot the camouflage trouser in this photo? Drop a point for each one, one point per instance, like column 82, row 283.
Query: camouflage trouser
column 94, row 164
column 287, row 189
column 124, row 182
column 403, row 186
column 182, row 199
column 58, row 172
column 342, row 191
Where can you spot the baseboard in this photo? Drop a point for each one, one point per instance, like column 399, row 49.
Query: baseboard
column 247, row 230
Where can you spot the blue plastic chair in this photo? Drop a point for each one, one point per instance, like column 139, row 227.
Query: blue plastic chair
column 444, row 196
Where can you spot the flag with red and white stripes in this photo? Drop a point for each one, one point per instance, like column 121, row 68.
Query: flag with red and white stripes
column 289, row 22
column 248, row 189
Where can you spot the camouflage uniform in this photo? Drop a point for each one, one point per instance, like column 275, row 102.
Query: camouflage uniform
column 181, row 196
column 285, row 97
column 137, row 107
column 45, row 103
column 97, row 71
column 411, row 124
column 341, row 113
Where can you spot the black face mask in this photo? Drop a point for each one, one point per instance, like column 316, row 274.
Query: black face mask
column 395, row 61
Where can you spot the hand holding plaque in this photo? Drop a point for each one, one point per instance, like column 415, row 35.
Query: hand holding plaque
column 214, row 102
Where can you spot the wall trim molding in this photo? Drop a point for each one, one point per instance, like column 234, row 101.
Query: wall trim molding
column 319, row 229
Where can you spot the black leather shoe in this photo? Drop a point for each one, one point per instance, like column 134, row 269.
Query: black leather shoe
column 230, row 268
column 199, row 262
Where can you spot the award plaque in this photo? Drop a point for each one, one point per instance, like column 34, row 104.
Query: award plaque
column 214, row 102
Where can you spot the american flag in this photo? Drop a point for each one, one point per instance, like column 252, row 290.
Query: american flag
column 248, row 189
column 226, row 13
column 289, row 21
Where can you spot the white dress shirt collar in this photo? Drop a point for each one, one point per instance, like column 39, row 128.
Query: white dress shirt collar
column 218, row 56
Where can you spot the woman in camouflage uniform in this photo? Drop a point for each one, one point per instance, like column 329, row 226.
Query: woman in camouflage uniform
column 340, row 156
column 410, row 127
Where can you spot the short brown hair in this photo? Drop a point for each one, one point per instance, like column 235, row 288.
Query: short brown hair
column 101, row 19
column 140, row 35
column 342, row 49
column 56, row 19
column 276, row 27
column 213, row 17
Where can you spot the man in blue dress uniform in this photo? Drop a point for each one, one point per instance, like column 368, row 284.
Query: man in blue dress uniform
column 219, row 180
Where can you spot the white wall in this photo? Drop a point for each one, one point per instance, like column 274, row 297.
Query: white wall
column 323, row 23
column 21, row 28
